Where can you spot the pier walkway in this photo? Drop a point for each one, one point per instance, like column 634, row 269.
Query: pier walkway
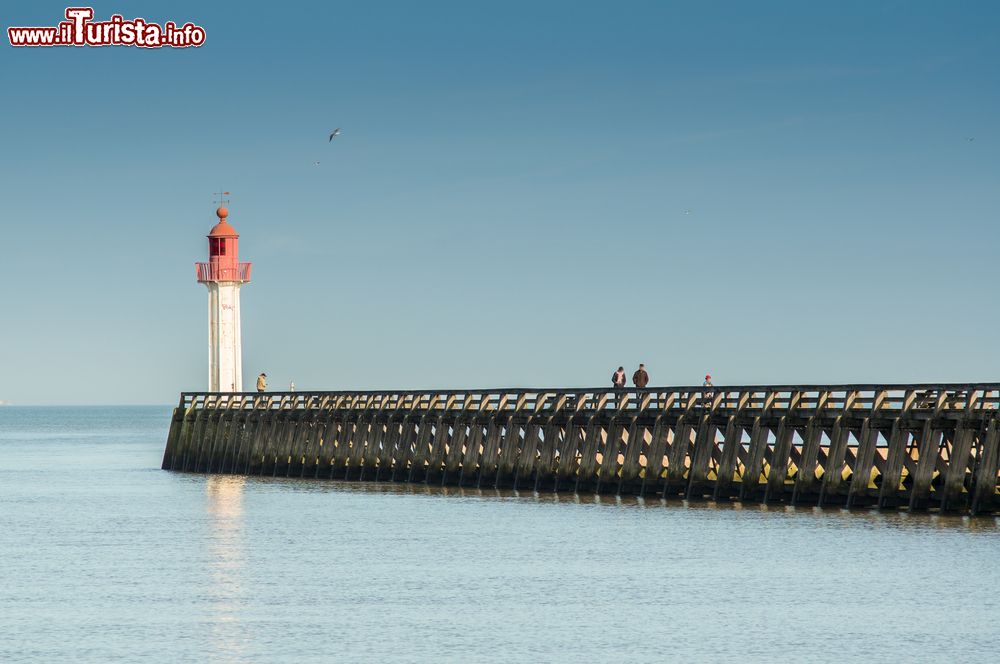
column 886, row 446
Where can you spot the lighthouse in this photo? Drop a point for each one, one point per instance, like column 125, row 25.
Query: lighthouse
column 223, row 274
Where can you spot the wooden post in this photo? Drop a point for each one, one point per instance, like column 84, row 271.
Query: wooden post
column 203, row 436
column 588, row 458
column 251, row 423
column 418, row 465
column 985, row 490
column 782, row 451
column 750, row 480
column 435, row 458
column 754, row 467
column 732, row 445
column 173, row 436
column 545, row 467
column 806, row 484
column 927, row 456
column 234, row 435
column 282, row 450
column 456, row 448
column 654, row 458
column 833, row 470
column 327, row 434
column 490, row 463
column 218, row 422
column 387, row 446
column 633, row 448
column 680, row 448
column 402, row 453
column 473, row 449
column 265, row 422
column 890, row 490
column 373, row 446
column 528, row 458
column 181, row 430
column 345, row 442
column 953, row 495
column 861, row 472
column 571, row 444
column 608, row 471
column 509, row 449
column 704, row 446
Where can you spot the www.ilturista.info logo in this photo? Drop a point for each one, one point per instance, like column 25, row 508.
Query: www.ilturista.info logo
column 80, row 30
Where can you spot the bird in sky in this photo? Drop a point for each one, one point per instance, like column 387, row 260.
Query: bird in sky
column 334, row 134
column 315, row 163
column 970, row 138
column 687, row 211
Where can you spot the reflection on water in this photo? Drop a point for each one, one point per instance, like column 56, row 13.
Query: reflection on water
column 859, row 516
column 227, row 563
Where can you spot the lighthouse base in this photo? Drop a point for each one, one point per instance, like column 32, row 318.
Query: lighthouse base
column 225, row 348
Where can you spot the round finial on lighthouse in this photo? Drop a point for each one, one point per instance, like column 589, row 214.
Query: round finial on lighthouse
column 222, row 212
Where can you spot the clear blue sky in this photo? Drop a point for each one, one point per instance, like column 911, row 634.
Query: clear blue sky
column 506, row 205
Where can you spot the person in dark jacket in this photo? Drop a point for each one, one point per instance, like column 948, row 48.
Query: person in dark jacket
column 640, row 378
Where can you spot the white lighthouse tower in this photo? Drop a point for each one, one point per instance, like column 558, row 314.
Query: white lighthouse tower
column 223, row 274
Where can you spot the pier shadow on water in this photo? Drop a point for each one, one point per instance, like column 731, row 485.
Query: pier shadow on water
column 226, row 492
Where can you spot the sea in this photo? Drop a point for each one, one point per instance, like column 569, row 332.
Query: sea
column 104, row 557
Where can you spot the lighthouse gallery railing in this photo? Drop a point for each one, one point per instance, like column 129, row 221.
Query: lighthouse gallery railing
column 216, row 272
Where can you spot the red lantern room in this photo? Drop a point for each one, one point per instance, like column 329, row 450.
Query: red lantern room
column 223, row 254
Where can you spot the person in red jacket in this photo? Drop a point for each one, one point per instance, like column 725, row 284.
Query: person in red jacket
column 707, row 391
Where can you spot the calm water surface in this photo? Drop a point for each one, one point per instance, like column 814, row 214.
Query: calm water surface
column 104, row 556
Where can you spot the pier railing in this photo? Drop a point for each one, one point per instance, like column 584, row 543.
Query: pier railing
column 917, row 446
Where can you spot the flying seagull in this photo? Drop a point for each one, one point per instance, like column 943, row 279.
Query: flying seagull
column 970, row 138
column 334, row 134
column 687, row 211
column 315, row 163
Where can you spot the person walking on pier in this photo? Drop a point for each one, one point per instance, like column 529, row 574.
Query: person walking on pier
column 707, row 391
column 640, row 378
column 262, row 382
column 618, row 379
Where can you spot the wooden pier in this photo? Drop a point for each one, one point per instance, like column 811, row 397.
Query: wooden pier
column 913, row 447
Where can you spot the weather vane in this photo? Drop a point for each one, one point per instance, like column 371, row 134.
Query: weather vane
column 222, row 200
